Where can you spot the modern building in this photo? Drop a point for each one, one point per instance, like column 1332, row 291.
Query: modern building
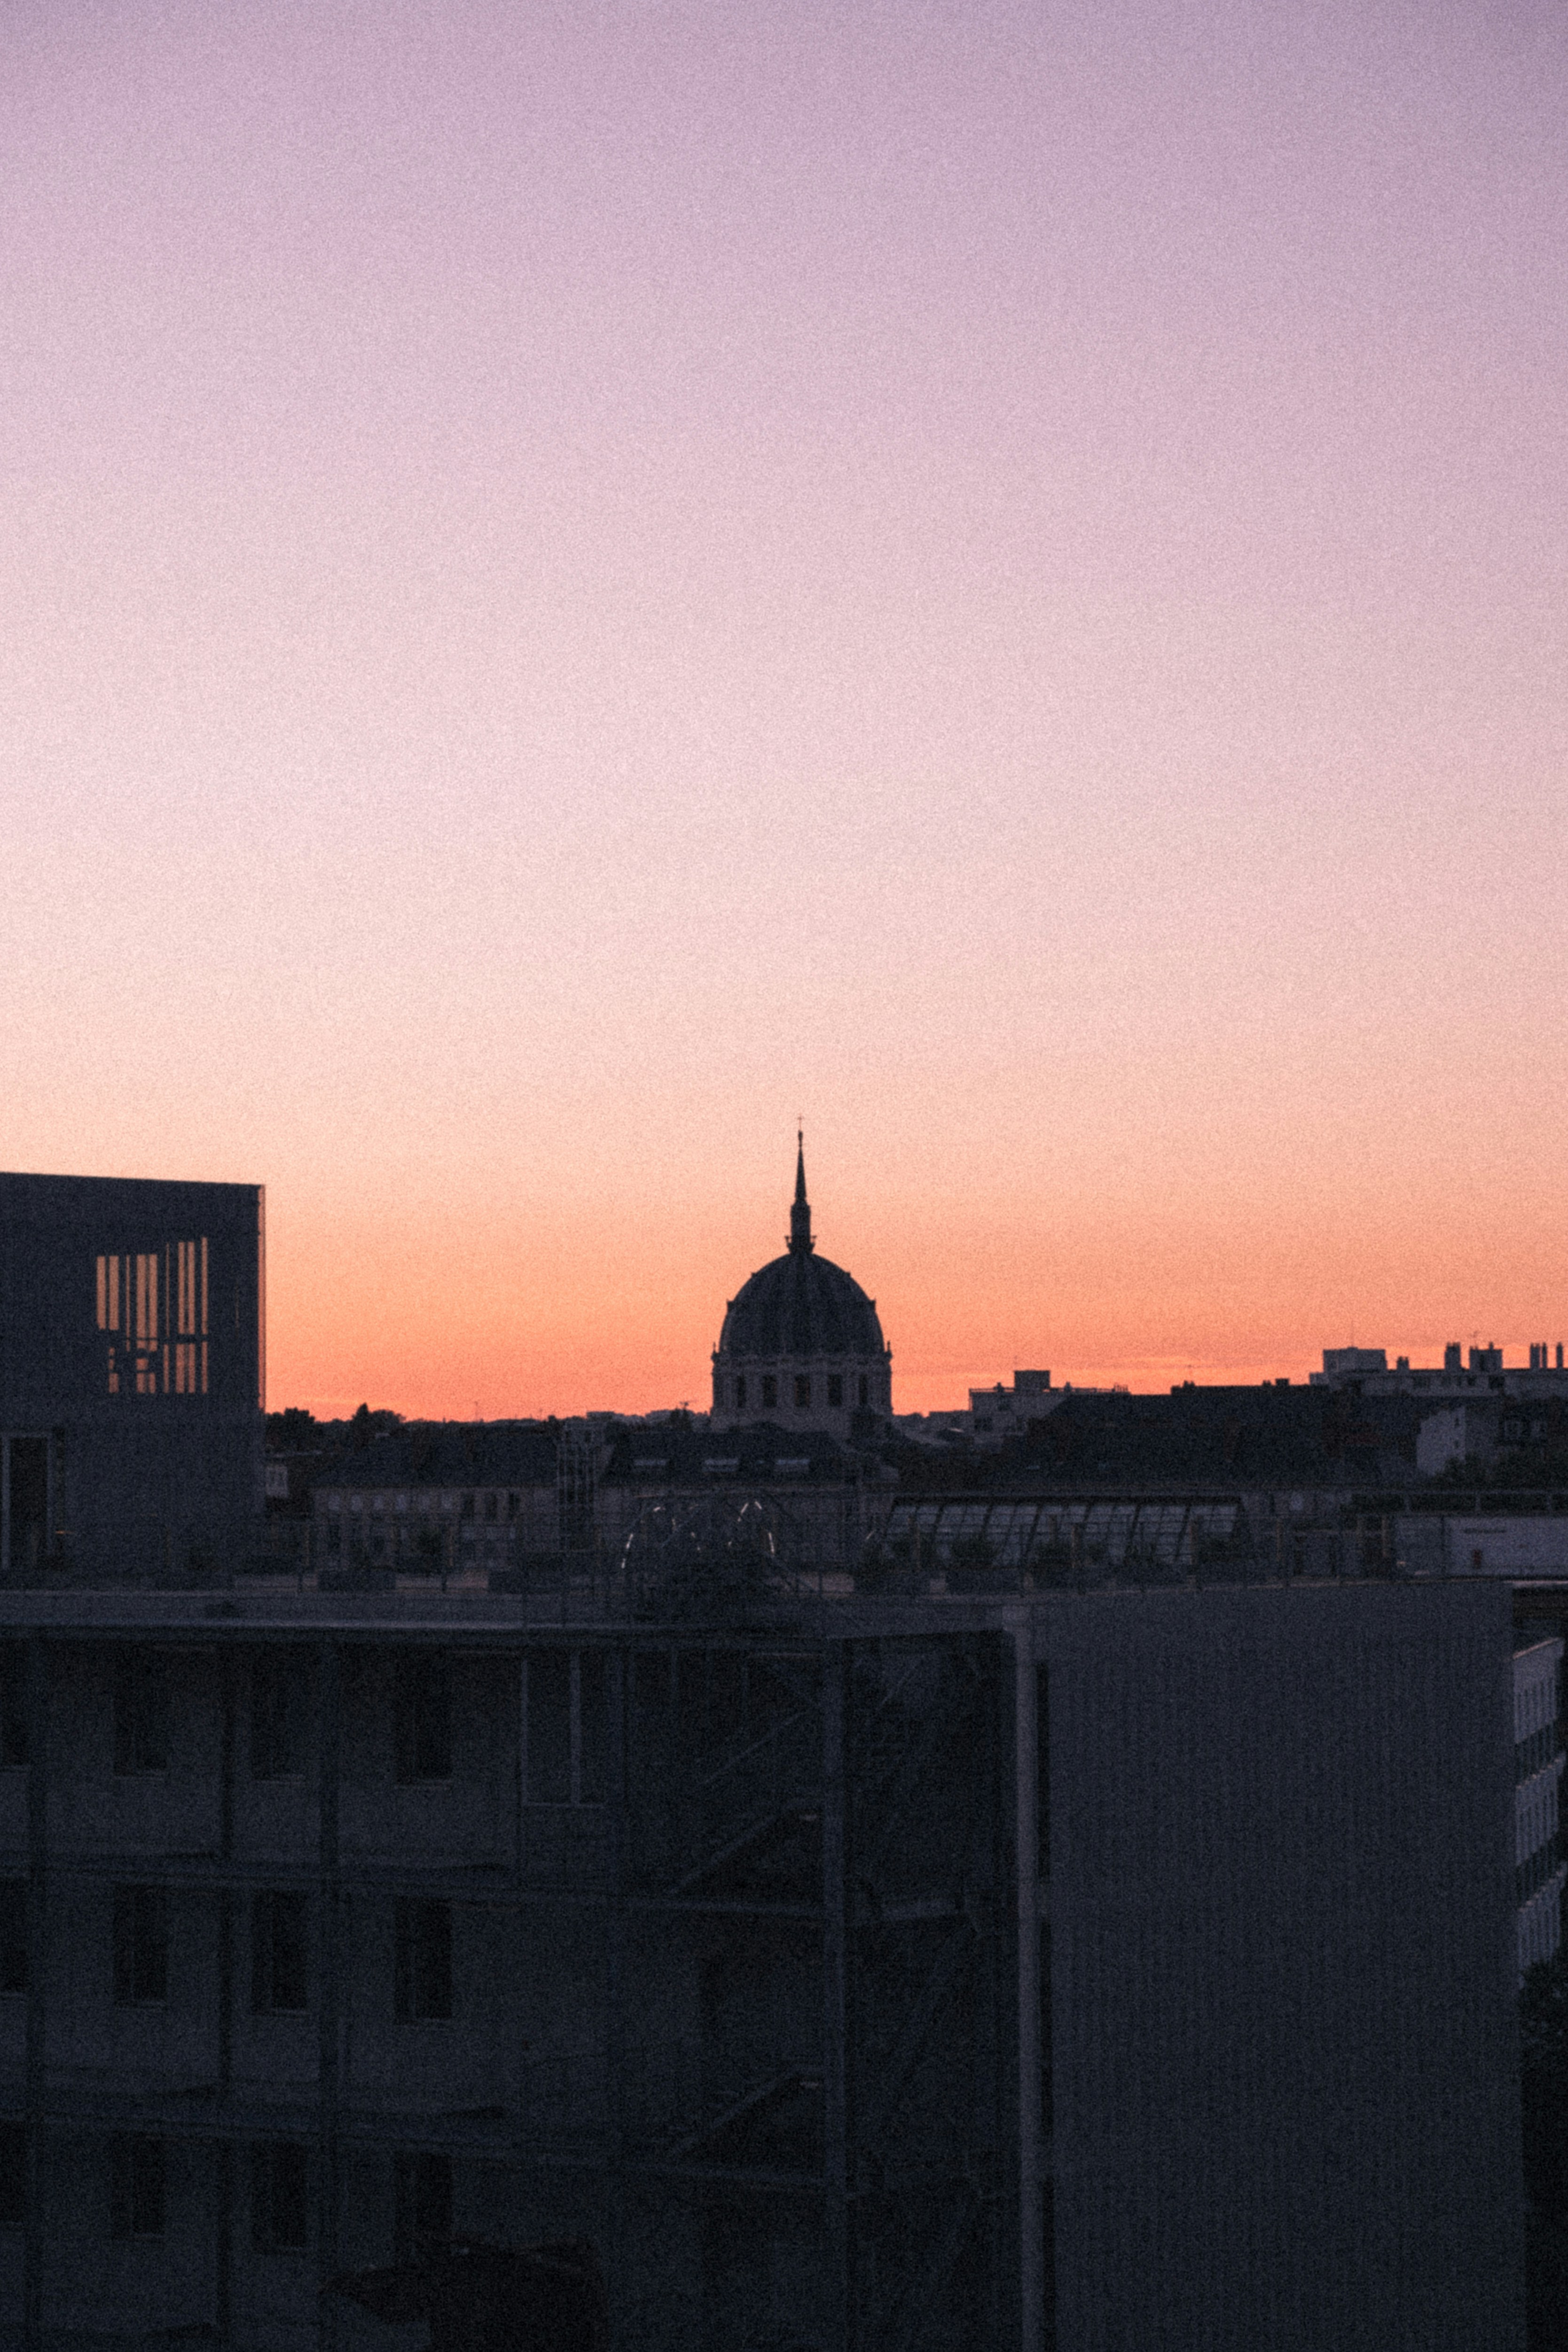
column 1346, row 1364
column 132, row 1375
column 1091, row 1970
column 1367, row 1373
column 1539, row 1873
column 801, row 1344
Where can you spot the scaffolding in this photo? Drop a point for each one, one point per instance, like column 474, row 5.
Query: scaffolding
column 775, row 1926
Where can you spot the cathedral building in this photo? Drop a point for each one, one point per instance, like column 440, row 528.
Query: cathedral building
column 801, row 1344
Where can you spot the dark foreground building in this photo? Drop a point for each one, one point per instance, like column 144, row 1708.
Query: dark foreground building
column 1100, row 1970
column 131, row 1376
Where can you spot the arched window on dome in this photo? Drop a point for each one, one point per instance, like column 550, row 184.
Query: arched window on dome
column 740, row 1392
column 770, row 1390
column 865, row 1390
column 834, row 1387
column 802, row 1390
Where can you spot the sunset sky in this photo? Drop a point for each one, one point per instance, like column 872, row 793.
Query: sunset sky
column 582, row 580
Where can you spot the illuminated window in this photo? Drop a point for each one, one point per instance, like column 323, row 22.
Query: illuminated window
column 153, row 1314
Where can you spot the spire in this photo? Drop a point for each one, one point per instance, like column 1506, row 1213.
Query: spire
column 800, row 1241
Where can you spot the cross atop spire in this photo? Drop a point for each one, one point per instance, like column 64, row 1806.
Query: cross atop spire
column 800, row 1241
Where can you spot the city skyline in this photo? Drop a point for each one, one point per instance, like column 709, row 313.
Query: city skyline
column 929, row 1387
column 581, row 586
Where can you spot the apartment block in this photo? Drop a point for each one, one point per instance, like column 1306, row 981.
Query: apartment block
column 1093, row 1969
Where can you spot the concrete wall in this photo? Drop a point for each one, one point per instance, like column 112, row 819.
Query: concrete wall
column 1281, row 1980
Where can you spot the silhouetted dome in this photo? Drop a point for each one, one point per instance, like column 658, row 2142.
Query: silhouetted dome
column 801, row 1304
column 800, row 1337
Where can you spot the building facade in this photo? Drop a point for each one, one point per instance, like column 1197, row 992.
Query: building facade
column 1000, row 1413
column 450, row 1501
column 131, row 1376
column 1095, row 1970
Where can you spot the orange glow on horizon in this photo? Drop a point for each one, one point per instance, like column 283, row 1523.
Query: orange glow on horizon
column 576, row 1308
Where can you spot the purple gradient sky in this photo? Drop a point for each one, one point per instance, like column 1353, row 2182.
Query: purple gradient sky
column 579, row 581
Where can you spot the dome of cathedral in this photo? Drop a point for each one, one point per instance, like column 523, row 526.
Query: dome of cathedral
column 801, row 1338
column 801, row 1304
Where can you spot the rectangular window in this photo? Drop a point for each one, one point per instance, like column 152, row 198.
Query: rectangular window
column 865, row 1390
column 1043, row 1771
column 279, row 1953
column 592, row 1728
column 141, row 1946
column 424, row 1958
column 770, row 1390
column 140, row 1712
column 137, row 2185
column 279, row 2197
column 550, row 1728
column 153, row 1314
column 13, row 2178
column 280, row 1715
column 13, row 1706
column 143, row 1317
column 740, row 1392
column 424, row 1719
column 568, row 1732
column 12, row 1935
column 834, row 1387
column 24, row 1464
column 803, row 1388
column 423, row 2191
